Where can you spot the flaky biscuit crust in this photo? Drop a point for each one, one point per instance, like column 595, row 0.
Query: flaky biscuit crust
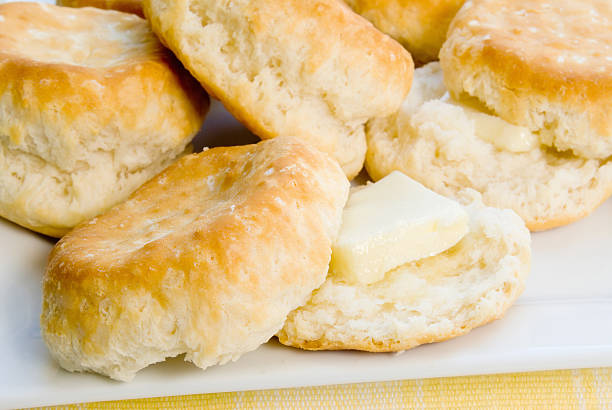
column 313, row 69
column 544, row 65
column 93, row 106
column 207, row 259
column 127, row 6
column 419, row 25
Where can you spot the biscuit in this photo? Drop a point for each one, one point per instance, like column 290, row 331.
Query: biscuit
column 207, row 259
column 544, row 65
column 437, row 146
column 91, row 106
column 419, row 25
column 313, row 69
column 425, row 301
column 127, row 6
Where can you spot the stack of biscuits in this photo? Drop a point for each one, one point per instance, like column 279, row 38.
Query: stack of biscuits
column 166, row 252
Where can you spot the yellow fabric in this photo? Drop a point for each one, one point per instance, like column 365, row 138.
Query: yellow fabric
column 567, row 389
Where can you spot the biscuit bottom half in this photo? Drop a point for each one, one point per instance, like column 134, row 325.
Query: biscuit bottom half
column 428, row 300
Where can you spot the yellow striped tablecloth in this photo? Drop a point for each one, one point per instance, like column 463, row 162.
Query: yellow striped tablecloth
column 564, row 389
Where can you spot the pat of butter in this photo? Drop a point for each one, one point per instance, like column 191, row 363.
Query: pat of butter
column 490, row 128
column 393, row 222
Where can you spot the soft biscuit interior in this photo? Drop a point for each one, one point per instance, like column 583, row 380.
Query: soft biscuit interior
column 313, row 69
column 423, row 301
column 487, row 125
column 443, row 143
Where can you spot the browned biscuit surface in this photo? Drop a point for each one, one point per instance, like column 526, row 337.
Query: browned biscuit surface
column 544, row 65
column 93, row 106
column 419, row 25
column 127, row 6
column 207, row 259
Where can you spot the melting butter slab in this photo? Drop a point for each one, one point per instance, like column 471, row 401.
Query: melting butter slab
column 487, row 126
column 393, row 222
column 491, row 128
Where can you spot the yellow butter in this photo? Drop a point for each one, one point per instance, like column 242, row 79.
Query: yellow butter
column 491, row 128
column 393, row 222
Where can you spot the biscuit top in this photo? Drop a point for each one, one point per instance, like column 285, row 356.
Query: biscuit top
column 419, row 25
column 208, row 258
column 86, row 37
column 543, row 65
column 563, row 36
column 127, row 6
column 226, row 188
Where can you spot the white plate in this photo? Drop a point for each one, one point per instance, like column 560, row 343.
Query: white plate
column 563, row 320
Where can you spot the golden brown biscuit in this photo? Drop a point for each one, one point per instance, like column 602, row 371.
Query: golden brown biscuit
column 127, row 6
column 425, row 301
column 544, row 65
column 435, row 142
column 419, row 25
column 312, row 69
column 207, row 259
column 92, row 106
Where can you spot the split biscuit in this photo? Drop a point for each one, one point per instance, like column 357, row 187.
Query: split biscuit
column 425, row 301
column 312, row 69
column 419, row 25
column 435, row 143
column 127, row 6
column 543, row 65
column 92, row 106
column 207, row 259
